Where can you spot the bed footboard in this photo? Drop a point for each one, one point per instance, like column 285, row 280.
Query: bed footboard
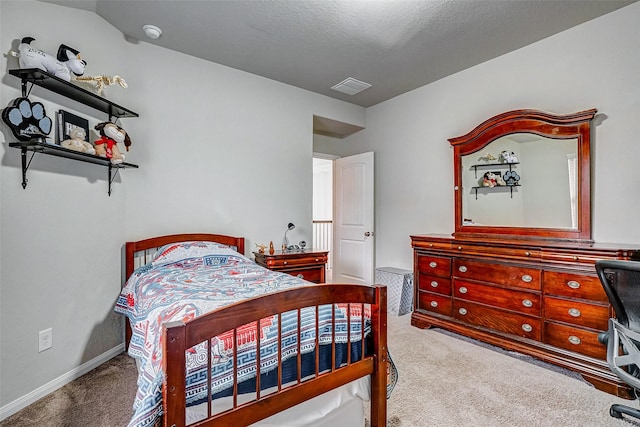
column 180, row 337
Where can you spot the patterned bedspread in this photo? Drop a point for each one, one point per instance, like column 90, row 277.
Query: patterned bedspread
column 186, row 280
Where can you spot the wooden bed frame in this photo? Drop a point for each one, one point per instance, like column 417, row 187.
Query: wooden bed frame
column 180, row 336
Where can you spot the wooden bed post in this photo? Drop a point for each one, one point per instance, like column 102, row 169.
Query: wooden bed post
column 379, row 376
column 174, row 396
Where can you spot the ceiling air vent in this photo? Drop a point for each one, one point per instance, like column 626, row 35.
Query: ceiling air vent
column 351, row 86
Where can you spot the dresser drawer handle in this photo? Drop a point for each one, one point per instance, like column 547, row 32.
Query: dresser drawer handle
column 574, row 340
column 527, row 327
column 463, row 290
column 573, row 284
column 300, row 276
column 434, row 284
column 526, row 278
column 433, row 264
column 527, row 303
column 459, row 248
column 527, row 254
column 462, row 269
column 285, row 263
column 434, row 304
column 574, row 312
column 462, row 311
column 317, row 259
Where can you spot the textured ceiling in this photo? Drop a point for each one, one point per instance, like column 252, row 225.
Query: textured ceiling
column 394, row 45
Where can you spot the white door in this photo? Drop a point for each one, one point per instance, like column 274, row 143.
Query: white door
column 353, row 242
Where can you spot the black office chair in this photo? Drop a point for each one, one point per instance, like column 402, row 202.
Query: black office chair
column 621, row 282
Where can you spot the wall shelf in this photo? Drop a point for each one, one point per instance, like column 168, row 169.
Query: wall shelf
column 496, row 188
column 48, row 81
column 58, row 151
column 497, row 165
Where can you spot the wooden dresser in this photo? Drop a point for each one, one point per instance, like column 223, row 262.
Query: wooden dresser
column 537, row 297
column 519, row 269
column 307, row 264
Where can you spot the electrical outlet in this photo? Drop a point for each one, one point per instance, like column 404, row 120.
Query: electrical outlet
column 45, row 340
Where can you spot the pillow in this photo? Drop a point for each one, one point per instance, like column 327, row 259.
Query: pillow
column 173, row 252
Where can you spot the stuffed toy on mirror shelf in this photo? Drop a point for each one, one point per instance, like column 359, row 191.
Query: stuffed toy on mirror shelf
column 492, row 179
column 77, row 142
column 488, row 157
column 508, row 157
column 110, row 136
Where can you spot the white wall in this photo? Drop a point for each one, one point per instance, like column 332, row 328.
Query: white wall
column 219, row 150
column 592, row 65
column 225, row 151
column 61, row 237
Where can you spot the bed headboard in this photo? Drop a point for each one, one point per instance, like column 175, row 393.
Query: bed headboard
column 140, row 252
column 137, row 253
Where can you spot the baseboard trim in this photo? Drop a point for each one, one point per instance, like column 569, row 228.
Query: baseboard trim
column 37, row 394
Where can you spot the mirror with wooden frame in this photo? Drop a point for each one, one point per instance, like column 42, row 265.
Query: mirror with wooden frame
column 524, row 174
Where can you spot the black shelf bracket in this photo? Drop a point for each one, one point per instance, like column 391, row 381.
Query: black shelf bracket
column 25, row 165
column 24, row 88
column 112, row 176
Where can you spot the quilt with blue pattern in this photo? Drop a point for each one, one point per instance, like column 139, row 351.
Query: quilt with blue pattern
column 188, row 279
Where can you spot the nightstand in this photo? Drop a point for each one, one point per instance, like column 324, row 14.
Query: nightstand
column 308, row 264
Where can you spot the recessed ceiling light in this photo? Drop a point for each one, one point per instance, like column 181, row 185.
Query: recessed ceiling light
column 152, row 31
column 351, row 86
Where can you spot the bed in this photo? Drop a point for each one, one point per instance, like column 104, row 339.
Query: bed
column 219, row 340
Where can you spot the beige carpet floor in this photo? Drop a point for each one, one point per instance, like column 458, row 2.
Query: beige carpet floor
column 447, row 380
column 444, row 380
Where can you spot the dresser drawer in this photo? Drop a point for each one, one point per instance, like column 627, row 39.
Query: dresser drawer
column 310, row 274
column 519, row 301
column 501, row 274
column 471, row 249
column 571, row 256
column 436, row 266
column 573, row 286
column 286, row 262
column 432, row 245
column 576, row 312
column 434, row 302
column 439, row 285
column 574, row 339
column 498, row 320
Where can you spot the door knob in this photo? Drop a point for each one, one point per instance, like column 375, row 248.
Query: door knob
column 368, row 233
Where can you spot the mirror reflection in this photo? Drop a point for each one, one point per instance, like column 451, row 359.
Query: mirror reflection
column 521, row 180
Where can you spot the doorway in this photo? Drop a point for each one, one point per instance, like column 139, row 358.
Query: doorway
column 323, row 208
column 343, row 217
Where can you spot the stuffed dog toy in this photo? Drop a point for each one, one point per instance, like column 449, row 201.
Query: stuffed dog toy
column 66, row 62
column 107, row 145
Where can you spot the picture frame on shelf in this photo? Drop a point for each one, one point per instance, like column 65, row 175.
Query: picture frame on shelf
column 67, row 121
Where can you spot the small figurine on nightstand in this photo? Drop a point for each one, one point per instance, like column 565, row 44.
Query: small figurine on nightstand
column 271, row 250
column 261, row 248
